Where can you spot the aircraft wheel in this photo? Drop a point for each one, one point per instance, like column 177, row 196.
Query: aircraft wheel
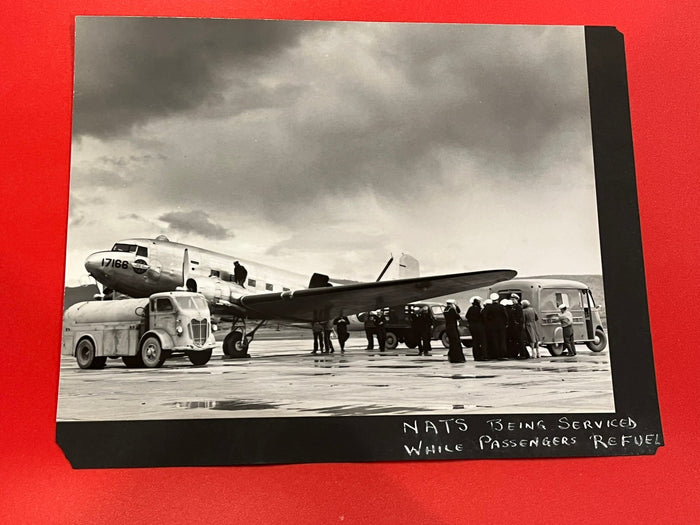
column 600, row 342
column 199, row 358
column 132, row 361
column 234, row 345
column 152, row 353
column 391, row 341
column 85, row 356
column 445, row 340
column 556, row 349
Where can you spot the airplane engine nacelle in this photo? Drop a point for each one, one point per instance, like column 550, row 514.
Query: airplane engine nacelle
column 215, row 290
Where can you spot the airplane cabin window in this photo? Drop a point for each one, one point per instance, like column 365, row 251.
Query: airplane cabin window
column 215, row 273
column 251, row 283
column 142, row 251
column 285, row 289
column 268, row 287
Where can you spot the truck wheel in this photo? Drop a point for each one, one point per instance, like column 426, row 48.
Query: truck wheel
column 199, row 358
column 85, row 356
column 234, row 346
column 133, row 361
column 445, row 340
column 152, row 353
column 412, row 341
column 600, row 342
column 391, row 341
column 556, row 349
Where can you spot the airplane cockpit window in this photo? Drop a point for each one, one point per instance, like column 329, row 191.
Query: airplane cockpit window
column 142, row 251
column 120, row 247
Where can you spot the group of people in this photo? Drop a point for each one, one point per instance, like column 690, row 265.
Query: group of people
column 374, row 326
column 500, row 329
column 322, row 335
column 504, row 329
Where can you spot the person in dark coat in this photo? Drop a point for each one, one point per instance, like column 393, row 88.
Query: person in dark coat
column 495, row 323
column 239, row 273
column 381, row 330
column 477, row 329
column 422, row 324
column 327, row 329
column 452, row 317
column 370, row 329
column 317, row 329
column 341, row 327
column 517, row 328
column 533, row 333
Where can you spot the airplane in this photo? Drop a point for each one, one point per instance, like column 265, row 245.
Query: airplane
column 140, row 267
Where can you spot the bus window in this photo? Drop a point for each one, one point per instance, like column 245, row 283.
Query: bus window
column 561, row 298
column 550, row 300
column 575, row 299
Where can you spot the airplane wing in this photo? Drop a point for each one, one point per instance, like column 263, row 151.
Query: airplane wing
column 329, row 302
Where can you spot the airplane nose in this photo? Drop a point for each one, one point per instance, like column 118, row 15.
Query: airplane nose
column 93, row 264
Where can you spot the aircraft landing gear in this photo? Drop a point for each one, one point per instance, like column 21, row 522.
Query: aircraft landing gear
column 237, row 341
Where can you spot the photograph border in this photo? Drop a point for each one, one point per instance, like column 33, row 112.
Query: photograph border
column 247, row 441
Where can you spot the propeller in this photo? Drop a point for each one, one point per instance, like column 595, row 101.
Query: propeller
column 185, row 269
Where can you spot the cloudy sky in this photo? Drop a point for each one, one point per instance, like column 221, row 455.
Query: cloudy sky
column 319, row 146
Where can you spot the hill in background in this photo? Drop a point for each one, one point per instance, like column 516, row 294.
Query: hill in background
column 77, row 294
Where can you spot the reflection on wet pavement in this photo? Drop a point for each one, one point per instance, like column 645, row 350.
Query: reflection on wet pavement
column 283, row 380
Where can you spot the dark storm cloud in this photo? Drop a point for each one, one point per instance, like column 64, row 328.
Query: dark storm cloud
column 197, row 222
column 402, row 115
column 130, row 70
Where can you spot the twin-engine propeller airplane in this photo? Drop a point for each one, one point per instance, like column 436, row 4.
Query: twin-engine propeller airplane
column 142, row 267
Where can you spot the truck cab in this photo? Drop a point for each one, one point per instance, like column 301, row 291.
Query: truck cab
column 545, row 296
column 143, row 332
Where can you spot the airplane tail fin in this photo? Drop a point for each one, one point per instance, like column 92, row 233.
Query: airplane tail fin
column 408, row 266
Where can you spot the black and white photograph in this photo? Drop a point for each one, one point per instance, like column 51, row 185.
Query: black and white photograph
column 330, row 227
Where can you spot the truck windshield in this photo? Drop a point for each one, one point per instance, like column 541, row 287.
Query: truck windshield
column 191, row 303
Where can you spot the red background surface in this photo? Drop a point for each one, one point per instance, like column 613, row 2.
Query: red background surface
column 37, row 485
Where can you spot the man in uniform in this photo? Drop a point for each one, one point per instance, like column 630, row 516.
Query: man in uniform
column 381, row 331
column 239, row 273
column 370, row 329
column 567, row 327
column 476, row 328
column 422, row 324
column 517, row 328
column 495, row 323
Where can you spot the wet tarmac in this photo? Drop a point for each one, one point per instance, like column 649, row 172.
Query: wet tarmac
column 283, row 379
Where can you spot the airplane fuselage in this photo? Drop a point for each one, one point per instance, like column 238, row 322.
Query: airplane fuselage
column 141, row 267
